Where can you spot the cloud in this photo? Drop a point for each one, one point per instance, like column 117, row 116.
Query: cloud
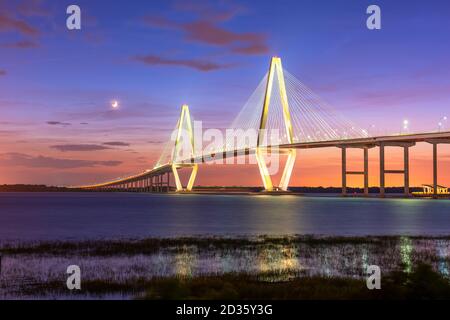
column 25, row 44
column 33, row 8
column 24, row 160
column 160, row 22
column 392, row 95
column 190, row 63
column 117, row 144
column 206, row 29
column 8, row 23
column 58, row 123
column 142, row 159
column 209, row 33
column 2, row 73
column 78, row 147
column 223, row 11
column 254, row 48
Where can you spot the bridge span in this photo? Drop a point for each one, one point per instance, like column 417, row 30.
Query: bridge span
column 307, row 124
column 159, row 178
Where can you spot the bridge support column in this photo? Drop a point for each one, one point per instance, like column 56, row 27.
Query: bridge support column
column 176, row 177
column 435, row 143
column 382, row 173
column 366, row 171
column 168, row 181
column 435, row 170
column 264, row 172
column 344, row 171
column 287, row 172
column 405, row 171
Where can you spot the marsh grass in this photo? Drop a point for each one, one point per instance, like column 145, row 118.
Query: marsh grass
column 255, row 267
column 152, row 245
column 422, row 283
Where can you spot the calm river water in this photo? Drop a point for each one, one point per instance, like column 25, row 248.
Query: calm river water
column 80, row 216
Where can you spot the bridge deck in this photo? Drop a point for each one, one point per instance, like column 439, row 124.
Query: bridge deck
column 435, row 137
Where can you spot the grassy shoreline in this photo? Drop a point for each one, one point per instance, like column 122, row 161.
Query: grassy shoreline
column 421, row 283
column 260, row 267
column 132, row 246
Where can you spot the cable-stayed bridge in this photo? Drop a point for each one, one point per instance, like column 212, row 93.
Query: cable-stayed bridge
column 281, row 116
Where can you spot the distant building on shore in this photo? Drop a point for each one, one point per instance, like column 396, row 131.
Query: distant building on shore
column 429, row 190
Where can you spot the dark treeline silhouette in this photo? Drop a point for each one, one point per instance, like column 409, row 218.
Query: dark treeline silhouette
column 350, row 190
column 374, row 190
column 31, row 188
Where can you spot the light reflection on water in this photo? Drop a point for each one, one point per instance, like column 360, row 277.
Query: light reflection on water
column 270, row 261
column 280, row 263
column 406, row 249
column 442, row 249
column 185, row 262
column 83, row 216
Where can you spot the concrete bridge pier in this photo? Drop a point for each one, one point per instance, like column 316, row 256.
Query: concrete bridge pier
column 364, row 173
column 435, row 143
column 405, row 171
column 168, row 181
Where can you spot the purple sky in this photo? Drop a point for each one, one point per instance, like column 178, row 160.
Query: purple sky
column 56, row 85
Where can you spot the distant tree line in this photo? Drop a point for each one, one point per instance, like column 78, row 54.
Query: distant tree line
column 31, row 188
column 44, row 188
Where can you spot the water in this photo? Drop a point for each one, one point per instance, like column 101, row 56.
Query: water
column 81, row 216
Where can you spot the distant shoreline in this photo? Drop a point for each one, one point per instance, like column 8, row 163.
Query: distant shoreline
column 214, row 189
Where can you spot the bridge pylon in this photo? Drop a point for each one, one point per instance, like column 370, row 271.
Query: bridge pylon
column 184, row 131
column 276, row 70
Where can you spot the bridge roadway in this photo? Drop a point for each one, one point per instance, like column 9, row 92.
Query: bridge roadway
column 152, row 180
